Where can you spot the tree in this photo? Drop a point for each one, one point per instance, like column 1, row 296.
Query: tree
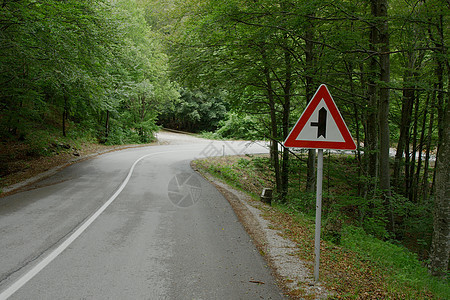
column 194, row 111
column 385, row 61
column 440, row 248
column 235, row 47
column 79, row 60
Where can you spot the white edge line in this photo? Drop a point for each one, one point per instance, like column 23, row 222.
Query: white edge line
column 50, row 257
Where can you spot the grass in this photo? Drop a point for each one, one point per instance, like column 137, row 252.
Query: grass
column 356, row 265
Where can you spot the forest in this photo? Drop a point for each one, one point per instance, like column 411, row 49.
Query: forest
column 115, row 71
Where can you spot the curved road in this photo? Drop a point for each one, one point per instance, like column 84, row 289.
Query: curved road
column 132, row 224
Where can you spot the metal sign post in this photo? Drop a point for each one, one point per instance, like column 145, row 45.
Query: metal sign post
column 320, row 126
column 318, row 213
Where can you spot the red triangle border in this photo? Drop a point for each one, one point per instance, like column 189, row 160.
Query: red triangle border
column 321, row 93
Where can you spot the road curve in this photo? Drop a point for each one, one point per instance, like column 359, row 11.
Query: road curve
column 103, row 229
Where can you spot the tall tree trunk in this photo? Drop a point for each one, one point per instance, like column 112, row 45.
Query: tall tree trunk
column 371, row 146
column 274, row 155
column 107, row 126
column 274, row 144
column 358, row 150
column 421, row 143
column 285, row 120
column 440, row 247
column 382, row 13
column 309, row 67
column 441, row 61
column 404, row 128
column 380, row 42
column 412, row 186
column 65, row 114
column 364, row 113
column 440, row 105
column 349, row 66
column 142, row 115
column 379, row 45
column 425, row 183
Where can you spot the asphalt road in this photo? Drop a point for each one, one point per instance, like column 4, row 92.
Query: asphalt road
column 132, row 224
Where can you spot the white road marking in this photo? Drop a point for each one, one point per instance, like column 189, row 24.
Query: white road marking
column 50, row 257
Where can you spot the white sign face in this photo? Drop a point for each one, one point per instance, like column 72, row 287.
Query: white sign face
column 310, row 131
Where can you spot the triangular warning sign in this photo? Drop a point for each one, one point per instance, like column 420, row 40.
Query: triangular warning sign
column 320, row 126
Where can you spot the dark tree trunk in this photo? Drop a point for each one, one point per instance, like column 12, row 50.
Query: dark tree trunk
column 274, row 145
column 379, row 45
column 425, row 183
column 285, row 122
column 421, row 142
column 349, row 66
column 441, row 59
column 382, row 13
column 412, row 186
column 107, row 126
column 65, row 114
column 371, row 137
column 309, row 67
column 274, row 155
column 404, row 129
column 440, row 250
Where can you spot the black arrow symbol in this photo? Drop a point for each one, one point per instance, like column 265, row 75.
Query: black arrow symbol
column 322, row 123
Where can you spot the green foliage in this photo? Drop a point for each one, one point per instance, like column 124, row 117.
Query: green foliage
column 302, row 202
column 69, row 64
column 403, row 265
column 224, row 172
column 48, row 141
column 413, row 222
column 260, row 163
column 239, row 126
column 210, row 135
column 120, row 136
column 367, row 213
column 39, row 143
column 243, row 163
column 250, row 50
column 194, row 111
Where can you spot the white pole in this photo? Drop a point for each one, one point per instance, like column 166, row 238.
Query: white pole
column 318, row 213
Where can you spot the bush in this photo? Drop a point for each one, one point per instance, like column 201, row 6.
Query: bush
column 210, row 135
column 239, row 127
column 120, row 136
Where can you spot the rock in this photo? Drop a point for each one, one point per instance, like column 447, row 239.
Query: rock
column 266, row 195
